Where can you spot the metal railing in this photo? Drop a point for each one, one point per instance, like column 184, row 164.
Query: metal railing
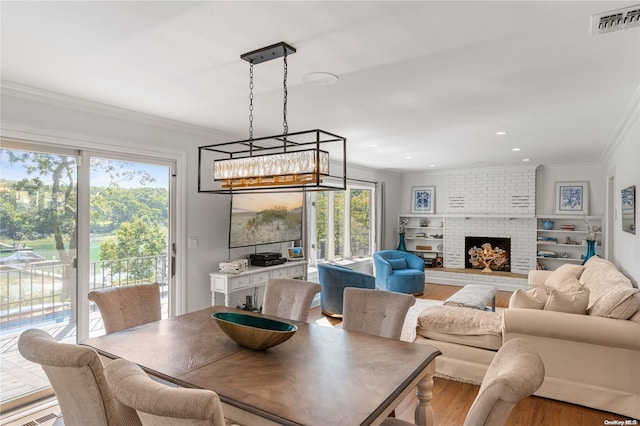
column 43, row 292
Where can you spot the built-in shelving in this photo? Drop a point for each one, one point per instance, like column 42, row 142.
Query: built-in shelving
column 417, row 233
column 562, row 245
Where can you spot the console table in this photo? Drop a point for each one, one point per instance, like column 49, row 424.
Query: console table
column 255, row 276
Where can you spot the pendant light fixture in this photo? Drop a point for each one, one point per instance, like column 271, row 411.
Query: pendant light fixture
column 282, row 163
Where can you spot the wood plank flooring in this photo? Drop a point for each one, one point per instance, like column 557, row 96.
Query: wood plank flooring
column 452, row 400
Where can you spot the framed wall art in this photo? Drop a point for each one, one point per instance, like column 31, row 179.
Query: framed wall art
column 423, row 199
column 572, row 198
column 628, row 204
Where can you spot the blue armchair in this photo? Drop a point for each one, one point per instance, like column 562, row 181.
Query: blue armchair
column 333, row 280
column 399, row 271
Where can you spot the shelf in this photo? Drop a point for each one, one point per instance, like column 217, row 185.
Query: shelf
column 569, row 217
column 548, row 243
column 423, row 238
column 564, row 259
column 423, row 227
column 563, row 231
column 426, row 251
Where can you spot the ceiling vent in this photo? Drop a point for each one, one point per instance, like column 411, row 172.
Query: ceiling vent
column 621, row 19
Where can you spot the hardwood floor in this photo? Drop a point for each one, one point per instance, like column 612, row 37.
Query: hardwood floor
column 452, row 400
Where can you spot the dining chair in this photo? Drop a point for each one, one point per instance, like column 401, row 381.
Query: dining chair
column 288, row 298
column 160, row 405
column 77, row 378
column 127, row 306
column 516, row 372
column 376, row 312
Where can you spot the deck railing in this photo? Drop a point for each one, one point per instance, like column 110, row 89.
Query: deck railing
column 36, row 293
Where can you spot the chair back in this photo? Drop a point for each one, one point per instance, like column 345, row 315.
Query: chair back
column 127, row 306
column 377, row 312
column 161, row 405
column 517, row 371
column 76, row 375
column 289, row 299
column 333, row 280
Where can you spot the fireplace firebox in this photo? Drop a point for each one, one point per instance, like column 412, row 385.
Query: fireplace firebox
column 487, row 253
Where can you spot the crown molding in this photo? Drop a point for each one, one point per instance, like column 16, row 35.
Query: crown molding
column 627, row 121
column 20, row 91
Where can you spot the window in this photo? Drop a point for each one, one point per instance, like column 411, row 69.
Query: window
column 341, row 223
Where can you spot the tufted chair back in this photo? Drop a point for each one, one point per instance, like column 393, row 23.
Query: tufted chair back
column 127, row 306
column 289, row 299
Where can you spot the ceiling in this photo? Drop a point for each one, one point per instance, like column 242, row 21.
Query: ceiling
column 430, row 80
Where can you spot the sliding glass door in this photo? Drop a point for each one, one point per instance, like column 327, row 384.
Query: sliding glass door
column 72, row 221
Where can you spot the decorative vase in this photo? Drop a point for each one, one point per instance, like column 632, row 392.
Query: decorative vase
column 547, row 224
column 591, row 250
column 401, row 244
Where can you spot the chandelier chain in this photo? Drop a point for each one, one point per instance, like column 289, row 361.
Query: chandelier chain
column 251, row 100
column 284, row 110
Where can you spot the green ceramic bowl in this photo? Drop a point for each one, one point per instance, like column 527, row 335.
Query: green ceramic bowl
column 254, row 332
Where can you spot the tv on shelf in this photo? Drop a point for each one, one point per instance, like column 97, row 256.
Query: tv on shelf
column 261, row 218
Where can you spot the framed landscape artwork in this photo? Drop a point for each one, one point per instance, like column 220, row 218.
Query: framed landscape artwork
column 423, row 199
column 572, row 198
column 628, row 200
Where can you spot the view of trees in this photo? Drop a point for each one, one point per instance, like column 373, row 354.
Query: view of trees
column 43, row 206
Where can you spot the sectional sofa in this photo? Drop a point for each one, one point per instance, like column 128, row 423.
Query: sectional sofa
column 584, row 322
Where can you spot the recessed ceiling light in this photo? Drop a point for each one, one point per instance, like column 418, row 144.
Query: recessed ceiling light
column 501, row 133
column 525, row 159
column 408, row 157
column 432, row 165
column 515, row 149
column 320, row 78
column 374, row 145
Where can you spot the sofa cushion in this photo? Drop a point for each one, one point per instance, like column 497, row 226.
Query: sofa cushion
column 636, row 317
column 466, row 326
column 619, row 303
column 571, row 303
column 562, row 274
column 600, row 276
column 397, row 263
column 529, row 299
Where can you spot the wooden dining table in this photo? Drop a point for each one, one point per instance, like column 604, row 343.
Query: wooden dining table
column 320, row 376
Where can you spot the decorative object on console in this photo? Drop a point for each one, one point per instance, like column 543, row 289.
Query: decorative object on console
column 486, row 256
column 295, row 253
column 234, row 266
column 572, row 198
column 252, row 331
column 628, row 201
column 423, row 199
column 286, row 162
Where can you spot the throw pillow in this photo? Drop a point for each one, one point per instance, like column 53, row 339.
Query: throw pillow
column 618, row 302
column 571, row 303
column 397, row 263
column 571, row 285
column 529, row 299
column 600, row 277
column 562, row 274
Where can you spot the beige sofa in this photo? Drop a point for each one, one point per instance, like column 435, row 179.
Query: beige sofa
column 591, row 359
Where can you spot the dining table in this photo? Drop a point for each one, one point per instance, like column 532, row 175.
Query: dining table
column 322, row 375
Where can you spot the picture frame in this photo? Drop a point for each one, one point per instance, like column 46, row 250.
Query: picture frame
column 628, row 209
column 572, row 198
column 295, row 253
column 423, row 199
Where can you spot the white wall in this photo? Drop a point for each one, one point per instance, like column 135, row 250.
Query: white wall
column 547, row 176
column 624, row 165
column 48, row 118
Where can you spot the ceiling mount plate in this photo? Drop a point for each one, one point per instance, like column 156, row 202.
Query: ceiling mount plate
column 268, row 53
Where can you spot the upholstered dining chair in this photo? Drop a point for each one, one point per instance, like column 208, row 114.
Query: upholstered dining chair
column 333, row 280
column 376, row 312
column 289, row 299
column 516, row 372
column 160, row 405
column 399, row 271
column 127, row 306
column 77, row 377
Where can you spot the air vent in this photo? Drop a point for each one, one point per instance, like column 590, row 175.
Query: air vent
column 621, row 19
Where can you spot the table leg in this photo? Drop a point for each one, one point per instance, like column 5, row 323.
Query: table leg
column 424, row 411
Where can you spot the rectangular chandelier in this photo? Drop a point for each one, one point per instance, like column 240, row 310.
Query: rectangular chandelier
column 282, row 163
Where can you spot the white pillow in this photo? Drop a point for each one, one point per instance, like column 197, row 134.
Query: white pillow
column 529, row 299
column 619, row 303
column 562, row 274
column 571, row 303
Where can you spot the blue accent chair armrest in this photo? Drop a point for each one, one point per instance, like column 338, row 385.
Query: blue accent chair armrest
column 399, row 271
column 333, row 280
